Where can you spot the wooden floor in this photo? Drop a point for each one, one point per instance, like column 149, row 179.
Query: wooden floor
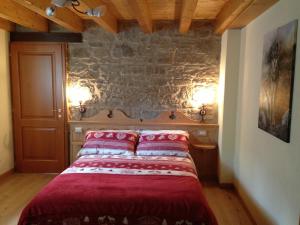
column 17, row 189
column 227, row 206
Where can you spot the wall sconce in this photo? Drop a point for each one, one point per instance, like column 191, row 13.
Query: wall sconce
column 201, row 97
column 77, row 96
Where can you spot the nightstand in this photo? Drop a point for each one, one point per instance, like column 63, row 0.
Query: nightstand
column 205, row 157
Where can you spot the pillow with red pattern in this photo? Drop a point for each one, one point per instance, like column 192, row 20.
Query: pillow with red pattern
column 183, row 132
column 109, row 142
column 163, row 143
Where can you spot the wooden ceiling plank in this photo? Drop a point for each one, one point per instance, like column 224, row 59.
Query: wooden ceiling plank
column 231, row 10
column 108, row 21
column 123, row 8
column 187, row 13
column 253, row 11
column 63, row 16
column 142, row 12
column 208, row 9
column 165, row 10
column 113, row 9
column 18, row 14
column 7, row 25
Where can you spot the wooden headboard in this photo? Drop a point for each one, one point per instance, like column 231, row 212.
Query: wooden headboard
column 200, row 133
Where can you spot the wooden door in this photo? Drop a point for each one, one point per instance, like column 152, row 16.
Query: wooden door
column 37, row 80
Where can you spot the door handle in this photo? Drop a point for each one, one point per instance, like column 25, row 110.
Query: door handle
column 57, row 110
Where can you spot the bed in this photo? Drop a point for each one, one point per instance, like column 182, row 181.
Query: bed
column 123, row 189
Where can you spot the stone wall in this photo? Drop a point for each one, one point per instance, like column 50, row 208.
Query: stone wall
column 144, row 74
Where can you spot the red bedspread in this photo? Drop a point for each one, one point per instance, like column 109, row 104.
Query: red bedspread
column 122, row 190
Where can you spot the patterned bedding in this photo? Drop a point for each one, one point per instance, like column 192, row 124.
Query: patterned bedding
column 122, row 190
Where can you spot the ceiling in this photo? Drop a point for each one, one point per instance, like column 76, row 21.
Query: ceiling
column 224, row 13
column 167, row 9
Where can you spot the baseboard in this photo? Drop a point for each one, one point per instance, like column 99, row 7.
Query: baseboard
column 227, row 186
column 231, row 186
column 243, row 204
column 6, row 174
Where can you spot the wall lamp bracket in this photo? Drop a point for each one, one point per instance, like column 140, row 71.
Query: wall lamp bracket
column 110, row 114
column 202, row 112
column 93, row 12
column 82, row 108
column 172, row 116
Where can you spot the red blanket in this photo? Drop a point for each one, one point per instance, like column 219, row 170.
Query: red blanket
column 122, row 190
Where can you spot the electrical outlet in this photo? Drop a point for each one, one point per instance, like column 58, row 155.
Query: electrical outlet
column 202, row 133
column 78, row 130
column 209, row 117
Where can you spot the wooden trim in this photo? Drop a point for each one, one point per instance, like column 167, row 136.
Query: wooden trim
column 45, row 37
column 202, row 146
column 118, row 116
column 6, row 174
column 200, row 125
column 121, row 119
column 66, row 127
column 229, row 186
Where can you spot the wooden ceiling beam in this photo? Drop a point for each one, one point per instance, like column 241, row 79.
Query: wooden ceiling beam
column 18, row 14
column 63, row 16
column 254, row 10
column 141, row 10
column 187, row 13
column 7, row 25
column 231, row 10
column 108, row 21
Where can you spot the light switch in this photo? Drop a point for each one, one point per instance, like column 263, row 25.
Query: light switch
column 78, row 130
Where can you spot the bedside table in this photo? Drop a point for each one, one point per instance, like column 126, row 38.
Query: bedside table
column 205, row 157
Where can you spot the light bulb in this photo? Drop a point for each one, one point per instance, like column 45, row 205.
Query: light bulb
column 96, row 12
column 203, row 96
column 61, row 3
column 50, row 11
column 77, row 94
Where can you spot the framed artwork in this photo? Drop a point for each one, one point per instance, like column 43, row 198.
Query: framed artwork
column 277, row 80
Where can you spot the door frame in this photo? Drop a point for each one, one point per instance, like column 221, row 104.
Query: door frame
column 64, row 52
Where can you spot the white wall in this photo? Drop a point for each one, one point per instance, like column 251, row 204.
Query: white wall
column 6, row 140
column 267, row 170
column 228, row 82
